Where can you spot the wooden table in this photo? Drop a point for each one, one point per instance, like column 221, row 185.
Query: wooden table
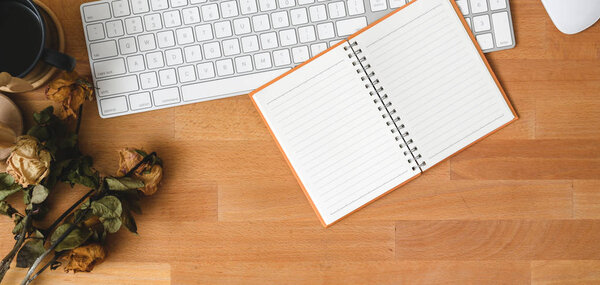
column 523, row 206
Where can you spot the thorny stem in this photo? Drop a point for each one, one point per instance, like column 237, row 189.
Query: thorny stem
column 29, row 278
column 66, row 213
column 7, row 260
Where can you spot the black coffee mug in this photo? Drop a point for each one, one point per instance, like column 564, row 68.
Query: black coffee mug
column 23, row 40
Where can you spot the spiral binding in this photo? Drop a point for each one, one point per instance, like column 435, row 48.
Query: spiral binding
column 385, row 106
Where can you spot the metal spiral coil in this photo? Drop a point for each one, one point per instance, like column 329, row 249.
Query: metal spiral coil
column 384, row 105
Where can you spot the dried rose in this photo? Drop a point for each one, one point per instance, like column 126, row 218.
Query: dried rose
column 150, row 172
column 69, row 90
column 28, row 163
column 83, row 258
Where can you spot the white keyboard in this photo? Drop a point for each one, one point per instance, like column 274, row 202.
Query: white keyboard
column 152, row 54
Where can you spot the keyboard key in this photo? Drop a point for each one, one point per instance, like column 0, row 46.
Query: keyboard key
column 250, row 44
column 268, row 40
column 224, row 67
column 248, row 7
column 191, row 15
column 262, row 60
column 267, row 5
column 135, row 63
column 226, row 87
column 280, row 19
column 336, row 10
column 212, row 50
column 166, row 96
column 281, row 57
column 325, row 31
column 241, row 26
column 397, row 3
column 485, row 41
column 231, row 47
column 355, row 7
column 165, row 39
column 299, row 16
column 317, row 13
column 186, row 73
column 172, row 19
column 288, row 37
column 502, row 29
column 204, row 33
column 127, row 45
column 287, row 3
column 463, row 6
column 184, row 36
column 118, row 85
column 261, row 23
column 378, row 5
column 307, row 34
column 96, row 12
column 167, row 77
column 210, row 12
column 152, row 22
column 192, row 53
column 95, row 32
column 103, row 49
column 229, row 9
column 148, row 80
column 120, row 8
column 481, row 23
column 223, row 29
column 133, row 25
column 174, row 56
column 243, row 63
column 113, row 105
column 478, row 6
column 304, row 2
column 350, row 26
column 300, row 54
column 146, row 42
column 114, row 29
column 317, row 48
column 205, row 70
column 109, row 67
column 140, row 6
column 497, row 4
column 178, row 3
column 157, row 5
column 155, row 60
column 140, row 101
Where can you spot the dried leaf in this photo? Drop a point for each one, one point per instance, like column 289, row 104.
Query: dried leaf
column 69, row 90
column 30, row 251
column 74, row 239
column 84, row 258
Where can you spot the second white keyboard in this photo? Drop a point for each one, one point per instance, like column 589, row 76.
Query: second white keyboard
column 152, row 54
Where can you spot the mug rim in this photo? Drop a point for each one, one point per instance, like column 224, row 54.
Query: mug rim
column 40, row 20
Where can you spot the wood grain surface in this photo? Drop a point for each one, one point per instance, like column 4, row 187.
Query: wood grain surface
column 522, row 206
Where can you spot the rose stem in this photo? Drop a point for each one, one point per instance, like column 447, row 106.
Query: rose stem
column 79, row 119
column 5, row 265
column 66, row 213
column 27, row 280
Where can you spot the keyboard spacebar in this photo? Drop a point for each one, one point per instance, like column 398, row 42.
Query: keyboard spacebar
column 229, row 86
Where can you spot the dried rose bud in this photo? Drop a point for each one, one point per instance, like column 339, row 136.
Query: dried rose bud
column 28, row 163
column 70, row 90
column 149, row 173
column 83, row 258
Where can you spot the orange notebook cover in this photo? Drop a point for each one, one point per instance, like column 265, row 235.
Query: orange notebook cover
column 373, row 112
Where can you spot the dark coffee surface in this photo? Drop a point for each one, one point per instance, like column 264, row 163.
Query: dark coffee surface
column 20, row 37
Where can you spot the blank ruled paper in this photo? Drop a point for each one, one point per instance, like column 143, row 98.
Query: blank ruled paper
column 333, row 134
column 435, row 78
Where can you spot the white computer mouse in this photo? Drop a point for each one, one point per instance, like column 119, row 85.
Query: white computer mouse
column 573, row 16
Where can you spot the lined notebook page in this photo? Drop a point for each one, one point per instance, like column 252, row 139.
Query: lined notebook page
column 333, row 134
column 435, row 78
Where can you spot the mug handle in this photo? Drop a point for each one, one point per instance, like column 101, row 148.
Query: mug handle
column 58, row 59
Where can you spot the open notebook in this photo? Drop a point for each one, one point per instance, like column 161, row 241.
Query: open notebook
column 376, row 110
